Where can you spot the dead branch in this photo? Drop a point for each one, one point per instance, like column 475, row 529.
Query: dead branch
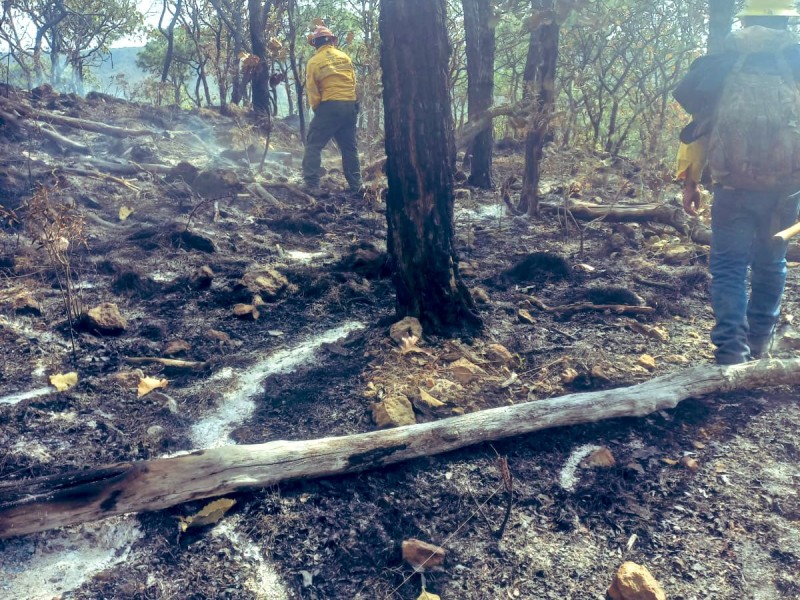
column 46, row 131
column 97, row 175
column 39, row 504
column 292, row 189
column 171, row 363
column 472, row 128
column 127, row 168
column 568, row 309
column 82, row 124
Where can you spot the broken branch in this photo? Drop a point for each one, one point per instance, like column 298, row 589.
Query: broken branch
column 568, row 309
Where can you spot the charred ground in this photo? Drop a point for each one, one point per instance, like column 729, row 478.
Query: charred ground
column 181, row 261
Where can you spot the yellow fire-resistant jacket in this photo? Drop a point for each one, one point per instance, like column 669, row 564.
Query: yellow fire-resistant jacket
column 691, row 160
column 330, row 76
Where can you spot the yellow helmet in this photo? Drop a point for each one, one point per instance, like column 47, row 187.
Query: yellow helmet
column 769, row 8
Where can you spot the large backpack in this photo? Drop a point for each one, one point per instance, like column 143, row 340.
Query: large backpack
column 755, row 133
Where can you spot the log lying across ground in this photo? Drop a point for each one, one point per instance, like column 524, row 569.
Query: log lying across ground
column 665, row 214
column 27, row 111
column 45, row 503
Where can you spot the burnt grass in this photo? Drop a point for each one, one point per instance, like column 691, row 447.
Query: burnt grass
column 340, row 537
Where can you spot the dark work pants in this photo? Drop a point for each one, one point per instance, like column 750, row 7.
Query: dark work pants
column 333, row 119
column 742, row 225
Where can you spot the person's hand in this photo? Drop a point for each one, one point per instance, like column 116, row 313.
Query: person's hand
column 692, row 201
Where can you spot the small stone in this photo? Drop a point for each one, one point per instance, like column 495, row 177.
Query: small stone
column 176, row 347
column 480, row 295
column 422, row 555
column 568, row 375
column 676, row 254
column 394, row 411
column 165, row 400
column 467, row 270
column 202, row 278
column 466, row 372
column 106, row 319
column 597, row 372
column 689, row 463
column 26, row 304
column 425, row 402
column 407, row 327
column 676, row 359
column 525, row 317
column 267, row 283
column 246, row 311
column 499, row 354
column 218, row 336
column 463, row 194
column 646, row 361
column 602, row 458
column 127, row 378
column 634, row 582
column 156, row 431
column 215, row 183
column 184, row 238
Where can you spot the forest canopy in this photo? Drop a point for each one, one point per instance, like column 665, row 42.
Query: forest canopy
column 617, row 59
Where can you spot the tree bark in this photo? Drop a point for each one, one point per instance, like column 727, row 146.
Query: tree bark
column 720, row 20
column 480, row 48
column 260, row 81
column 30, row 506
column 420, row 150
column 540, row 76
column 169, row 33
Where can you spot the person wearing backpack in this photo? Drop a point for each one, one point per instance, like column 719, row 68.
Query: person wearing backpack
column 745, row 107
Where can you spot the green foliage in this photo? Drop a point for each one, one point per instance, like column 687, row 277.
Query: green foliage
column 618, row 59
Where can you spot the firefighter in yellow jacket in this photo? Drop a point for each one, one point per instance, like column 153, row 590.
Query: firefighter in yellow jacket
column 331, row 89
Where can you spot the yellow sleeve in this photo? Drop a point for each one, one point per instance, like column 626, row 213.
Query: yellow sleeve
column 312, row 89
column 691, row 160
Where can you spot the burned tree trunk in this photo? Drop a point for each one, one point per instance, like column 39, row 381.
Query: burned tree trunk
column 420, row 151
column 720, row 20
column 540, row 76
column 259, row 14
column 479, row 29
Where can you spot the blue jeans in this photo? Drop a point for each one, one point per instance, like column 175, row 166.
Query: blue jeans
column 743, row 224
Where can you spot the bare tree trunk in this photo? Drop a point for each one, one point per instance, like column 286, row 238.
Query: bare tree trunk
column 297, row 71
column 169, row 33
column 260, row 81
column 420, row 150
column 480, row 47
column 540, row 75
column 29, row 506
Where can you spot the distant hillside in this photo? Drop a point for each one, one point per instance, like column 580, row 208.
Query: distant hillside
column 122, row 60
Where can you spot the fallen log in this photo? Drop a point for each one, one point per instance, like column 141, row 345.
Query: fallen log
column 50, row 117
column 665, row 214
column 29, row 506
